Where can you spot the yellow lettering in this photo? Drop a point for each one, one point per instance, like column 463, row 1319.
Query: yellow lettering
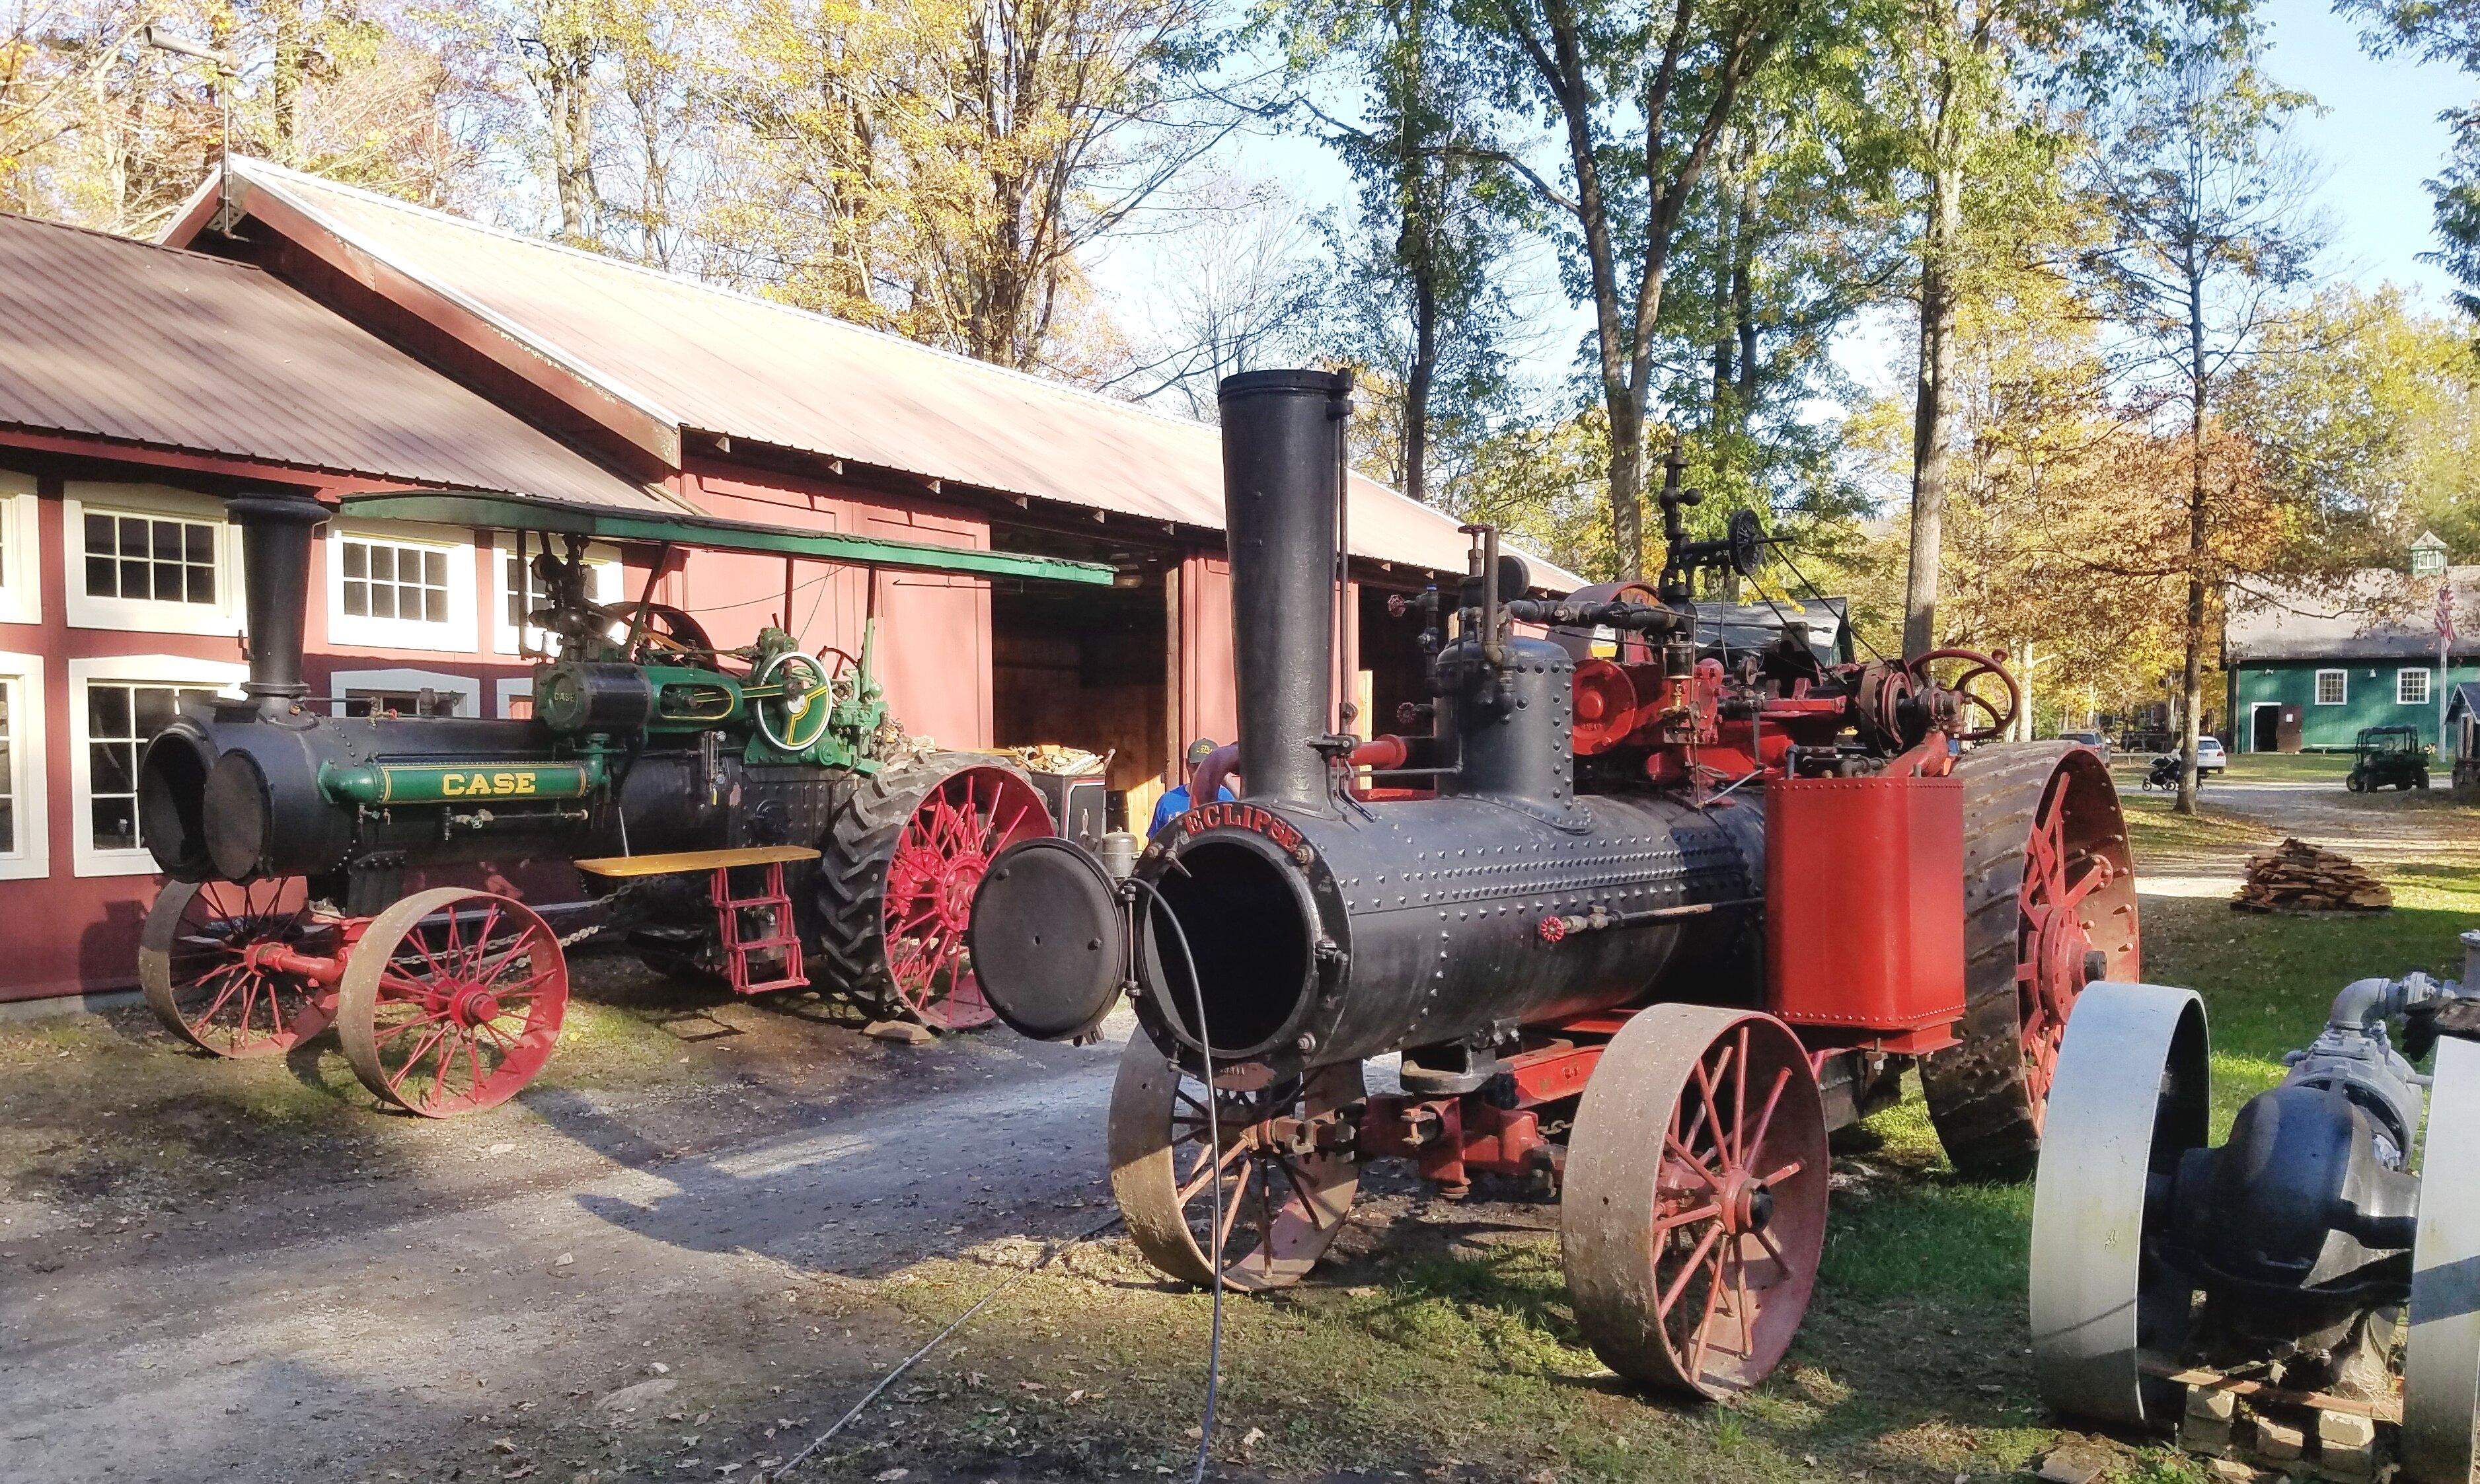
column 503, row 784
column 452, row 786
column 525, row 782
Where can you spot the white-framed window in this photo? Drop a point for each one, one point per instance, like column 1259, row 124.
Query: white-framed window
column 400, row 587
column 2411, row 687
column 25, row 834
column 117, row 705
column 21, row 573
column 2332, row 687
column 521, row 593
column 147, row 558
column 363, row 692
column 517, row 698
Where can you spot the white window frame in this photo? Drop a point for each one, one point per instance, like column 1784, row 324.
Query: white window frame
column 85, row 858
column 454, row 636
column 2427, row 691
column 29, row 777
column 602, row 562
column 21, row 565
column 2316, row 690
column 340, row 682
column 510, row 689
column 221, row 619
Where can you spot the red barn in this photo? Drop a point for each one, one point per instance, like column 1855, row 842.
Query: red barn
column 340, row 341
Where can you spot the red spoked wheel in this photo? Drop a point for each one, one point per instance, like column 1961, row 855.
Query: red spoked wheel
column 1286, row 1172
column 1693, row 1212
column 2050, row 906
column 452, row 1001
column 897, row 889
column 208, row 962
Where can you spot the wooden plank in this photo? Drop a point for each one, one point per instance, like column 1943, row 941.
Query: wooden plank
column 2389, row 1410
column 625, row 866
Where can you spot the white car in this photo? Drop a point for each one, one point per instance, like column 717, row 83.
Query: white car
column 2210, row 756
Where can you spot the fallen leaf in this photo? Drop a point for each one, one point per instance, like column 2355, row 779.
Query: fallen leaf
column 1251, row 1438
column 564, row 1260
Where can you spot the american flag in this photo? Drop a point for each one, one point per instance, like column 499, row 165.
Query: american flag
column 2446, row 611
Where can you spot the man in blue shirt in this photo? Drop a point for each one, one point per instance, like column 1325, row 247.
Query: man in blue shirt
column 1174, row 802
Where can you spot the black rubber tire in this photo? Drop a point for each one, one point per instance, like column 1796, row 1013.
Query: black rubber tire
column 1980, row 1092
column 852, row 874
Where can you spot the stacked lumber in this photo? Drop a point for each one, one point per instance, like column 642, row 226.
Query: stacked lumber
column 2297, row 876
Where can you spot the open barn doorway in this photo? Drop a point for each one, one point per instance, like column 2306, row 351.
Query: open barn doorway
column 1394, row 673
column 1086, row 667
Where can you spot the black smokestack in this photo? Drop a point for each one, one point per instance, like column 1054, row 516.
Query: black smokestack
column 1282, row 484
column 275, row 589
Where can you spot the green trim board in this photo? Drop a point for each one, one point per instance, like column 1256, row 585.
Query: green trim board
column 708, row 532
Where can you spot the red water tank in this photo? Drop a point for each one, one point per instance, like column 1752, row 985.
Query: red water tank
column 1863, row 908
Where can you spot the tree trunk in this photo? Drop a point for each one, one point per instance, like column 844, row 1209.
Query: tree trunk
column 2191, row 673
column 1932, row 406
column 1416, row 387
column 284, row 78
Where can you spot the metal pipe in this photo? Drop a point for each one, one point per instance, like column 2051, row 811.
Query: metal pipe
column 276, row 579
column 1282, row 432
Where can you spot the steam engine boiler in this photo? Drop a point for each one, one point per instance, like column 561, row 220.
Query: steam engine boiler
column 1643, row 911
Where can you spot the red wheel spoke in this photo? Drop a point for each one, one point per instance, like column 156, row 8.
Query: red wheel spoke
column 1766, row 1118
column 1708, row 1211
column 1688, row 1270
column 1738, row 1152
column 1783, row 1174
column 1705, row 1324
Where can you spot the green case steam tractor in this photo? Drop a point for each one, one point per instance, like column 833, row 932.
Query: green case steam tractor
column 737, row 812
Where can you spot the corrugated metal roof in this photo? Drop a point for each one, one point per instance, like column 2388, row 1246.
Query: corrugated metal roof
column 2375, row 614
column 110, row 338
column 716, row 361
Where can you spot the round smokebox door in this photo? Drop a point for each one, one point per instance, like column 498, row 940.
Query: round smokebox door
column 239, row 822
column 1049, row 939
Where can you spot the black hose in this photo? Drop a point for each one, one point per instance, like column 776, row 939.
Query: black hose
column 1214, row 1153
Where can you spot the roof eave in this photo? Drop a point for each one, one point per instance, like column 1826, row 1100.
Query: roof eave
column 625, row 416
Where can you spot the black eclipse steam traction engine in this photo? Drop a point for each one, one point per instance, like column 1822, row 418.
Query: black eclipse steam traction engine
column 1642, row 925
column 684, row 782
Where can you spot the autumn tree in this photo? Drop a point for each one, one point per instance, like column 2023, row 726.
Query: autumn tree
column 939, row 166
column 1639, row 93
column 2209, row 233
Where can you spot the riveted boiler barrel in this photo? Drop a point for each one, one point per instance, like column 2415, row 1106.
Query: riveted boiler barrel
column 226, row 792
column 1314, row 939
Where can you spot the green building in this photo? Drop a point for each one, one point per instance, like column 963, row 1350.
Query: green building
column 2307, row 670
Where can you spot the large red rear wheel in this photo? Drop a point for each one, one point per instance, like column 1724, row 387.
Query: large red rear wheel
column 2049, row 905
column 452, row 1001
column 201, row 964
column 1692, row 1215
column 896, row 888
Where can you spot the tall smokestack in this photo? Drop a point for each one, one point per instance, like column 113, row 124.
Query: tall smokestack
column 1282, row 486
column 276, row 585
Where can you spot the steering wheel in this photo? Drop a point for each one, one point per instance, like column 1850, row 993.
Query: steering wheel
column 1975, row 666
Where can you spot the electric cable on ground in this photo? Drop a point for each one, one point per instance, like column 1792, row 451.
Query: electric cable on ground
column 1214, row 1339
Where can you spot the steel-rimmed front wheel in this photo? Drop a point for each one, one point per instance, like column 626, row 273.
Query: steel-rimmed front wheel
column 203, row 964
column 1693, row 1212
column 452, row 1001
column 1286, row 1173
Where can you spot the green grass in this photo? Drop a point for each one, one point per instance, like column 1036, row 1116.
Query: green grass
column 2305, row 767
column 2155, row 831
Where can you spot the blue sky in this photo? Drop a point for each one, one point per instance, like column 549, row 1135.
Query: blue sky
column 2376, row 135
